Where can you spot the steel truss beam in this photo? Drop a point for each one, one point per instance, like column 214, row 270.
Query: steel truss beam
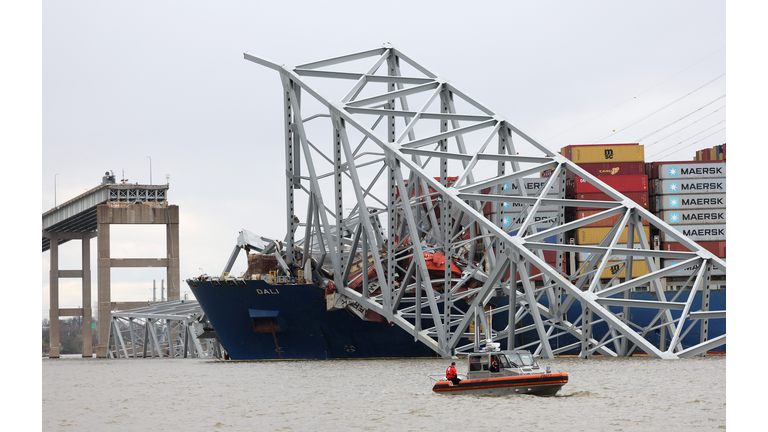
column 170, row 329
column 407, row 167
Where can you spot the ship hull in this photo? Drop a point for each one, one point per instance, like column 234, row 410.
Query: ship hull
column 642, row 317
column 259, row 321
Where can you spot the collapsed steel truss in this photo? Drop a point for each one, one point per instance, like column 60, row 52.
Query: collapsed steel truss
column 394, row 150
column 163, row 330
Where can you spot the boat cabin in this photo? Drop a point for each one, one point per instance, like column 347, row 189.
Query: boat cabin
column 510, row 363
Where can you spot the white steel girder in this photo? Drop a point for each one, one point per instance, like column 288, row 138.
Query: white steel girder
column 169, row 329
column 382, row 148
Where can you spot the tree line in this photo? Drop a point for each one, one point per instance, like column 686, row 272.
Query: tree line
column 70, row 335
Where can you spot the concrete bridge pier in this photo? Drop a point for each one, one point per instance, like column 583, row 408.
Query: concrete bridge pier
column 138, row 213
column 84, row 274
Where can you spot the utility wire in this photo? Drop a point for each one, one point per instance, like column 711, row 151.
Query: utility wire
column 682, row 118
column 635, row 96
column 684, row 127
column 662, row 108
column 670, row 148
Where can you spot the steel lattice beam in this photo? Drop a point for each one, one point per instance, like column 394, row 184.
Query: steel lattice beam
column 406, row 163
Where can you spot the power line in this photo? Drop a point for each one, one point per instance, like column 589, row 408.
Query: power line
column 682, row 118
column 662, row 108
column 659, row 157
column 684, row 127
column 636, row 95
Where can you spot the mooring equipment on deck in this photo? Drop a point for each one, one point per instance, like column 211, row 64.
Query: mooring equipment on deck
column 385, row 159
column 163, row 330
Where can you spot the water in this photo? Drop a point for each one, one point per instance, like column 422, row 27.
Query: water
column 625, row 394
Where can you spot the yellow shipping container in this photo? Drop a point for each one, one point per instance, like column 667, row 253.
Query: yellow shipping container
column 608, row 153
column 639, row 268
column 593, row 236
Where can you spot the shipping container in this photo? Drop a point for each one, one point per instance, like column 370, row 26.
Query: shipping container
column 688, row 202
column 606, row 169
column 551, row 239
column 697, row 233
column 532, row 187
column 638, row 197
column 583, row 256
column 514, row 208
column 717, row 248
column 593, row 236
column 542, row 220
column 689, row 186
column 622, row 183
column 693, row 217
column 685, row 169
column 536, row 272
column 639, row 268
column 689, row 270
column 711, row 154
column 602, row 153
column 606, row 222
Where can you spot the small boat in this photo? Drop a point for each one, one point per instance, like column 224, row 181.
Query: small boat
column 517, row 373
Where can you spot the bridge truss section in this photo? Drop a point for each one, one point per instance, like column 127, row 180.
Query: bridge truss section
column 175, row 329
column 384, row 158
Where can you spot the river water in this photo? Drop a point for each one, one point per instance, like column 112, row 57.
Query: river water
column 625, row 394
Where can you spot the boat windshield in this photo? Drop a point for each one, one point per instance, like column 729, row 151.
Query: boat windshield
column 520, row 359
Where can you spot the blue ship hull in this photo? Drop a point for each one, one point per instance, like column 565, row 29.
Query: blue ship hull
column 259, row 321
column 643, row 317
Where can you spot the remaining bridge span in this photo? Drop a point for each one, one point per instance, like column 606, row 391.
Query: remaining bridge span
column 90, row 215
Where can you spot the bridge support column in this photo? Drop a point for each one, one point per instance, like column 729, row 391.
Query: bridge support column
column 138, row 213
column 55, row 312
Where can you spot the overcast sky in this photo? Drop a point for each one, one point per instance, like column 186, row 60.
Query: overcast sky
column 164, row 84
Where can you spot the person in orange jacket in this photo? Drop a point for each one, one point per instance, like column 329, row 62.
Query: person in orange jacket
column 450, row 374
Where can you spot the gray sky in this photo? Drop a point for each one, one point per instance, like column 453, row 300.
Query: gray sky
column 123, row 83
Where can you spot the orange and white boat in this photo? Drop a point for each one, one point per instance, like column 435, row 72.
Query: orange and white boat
column 517, row 373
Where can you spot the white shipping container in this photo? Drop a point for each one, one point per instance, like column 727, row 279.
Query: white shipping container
column 698, row 233
column 532, row 187
column 694, row 217
column 689, row 270
column 542, row 220
column 692, row 170
column 687, row 202
column 688, row 186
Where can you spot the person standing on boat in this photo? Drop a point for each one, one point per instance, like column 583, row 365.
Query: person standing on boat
column 494, row 365
column 450, row 374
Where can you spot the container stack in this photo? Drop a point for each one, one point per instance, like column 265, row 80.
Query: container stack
column 716, row 153
column 690, row 196
column 545, row 218
column 622, row 167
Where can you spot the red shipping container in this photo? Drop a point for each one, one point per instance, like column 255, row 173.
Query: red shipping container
column 622, row 183
column 536, row 271
column 607, row 222
column 717, row 248
column 638, row 197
